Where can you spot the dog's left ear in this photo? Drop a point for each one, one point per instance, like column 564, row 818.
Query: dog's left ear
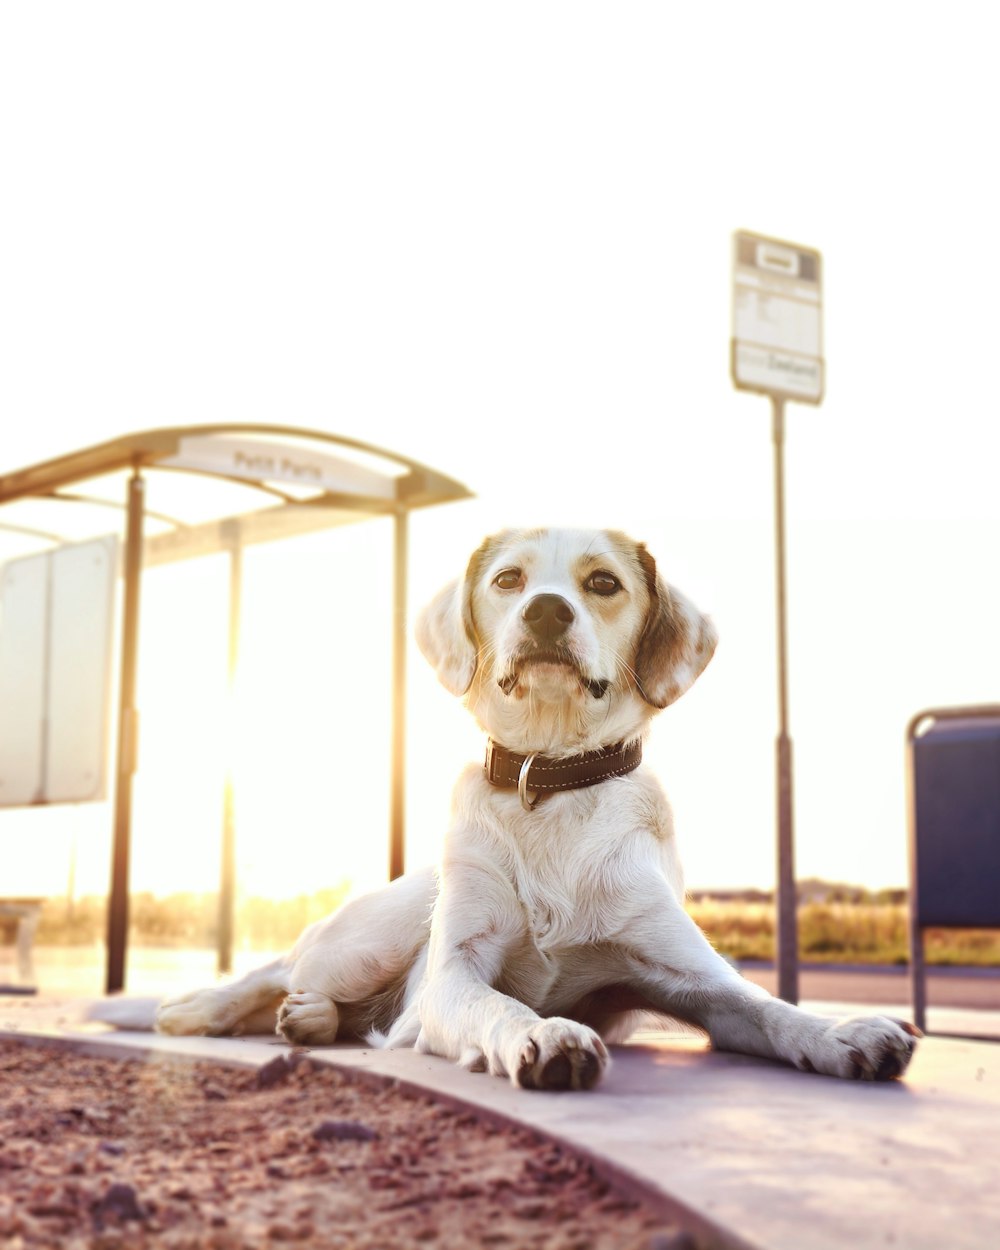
column 446, row 636
column 676, row 643
column 445, row 629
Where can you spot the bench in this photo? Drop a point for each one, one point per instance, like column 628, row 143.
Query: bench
column 18, row 922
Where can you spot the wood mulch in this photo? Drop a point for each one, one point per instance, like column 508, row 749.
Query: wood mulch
column 101, row 1153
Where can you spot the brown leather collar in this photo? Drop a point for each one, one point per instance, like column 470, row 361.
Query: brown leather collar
column 543, row 774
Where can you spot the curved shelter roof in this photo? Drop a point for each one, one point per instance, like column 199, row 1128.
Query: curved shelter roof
column 273, row 481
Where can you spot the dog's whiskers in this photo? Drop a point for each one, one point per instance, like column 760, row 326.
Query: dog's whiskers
column 625, row 668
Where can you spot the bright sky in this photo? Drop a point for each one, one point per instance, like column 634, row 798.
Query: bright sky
column 497, row 239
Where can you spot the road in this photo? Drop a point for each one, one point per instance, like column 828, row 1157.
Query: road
column 976, row 988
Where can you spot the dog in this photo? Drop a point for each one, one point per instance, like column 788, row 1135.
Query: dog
column 556, row 919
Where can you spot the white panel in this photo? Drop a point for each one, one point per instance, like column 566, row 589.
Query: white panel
column 22, row 678
column 82, row 611
column 56, row 610
column 768, row 320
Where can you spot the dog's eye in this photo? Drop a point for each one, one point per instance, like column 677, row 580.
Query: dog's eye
column 508, row 579
column 603, row 583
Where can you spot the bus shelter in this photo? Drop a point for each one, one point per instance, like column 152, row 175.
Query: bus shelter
column 267, row 482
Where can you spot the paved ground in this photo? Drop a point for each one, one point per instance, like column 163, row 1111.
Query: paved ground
column 755, row 1154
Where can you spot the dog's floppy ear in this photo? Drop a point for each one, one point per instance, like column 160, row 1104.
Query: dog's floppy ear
column 446, row 630
column 446, row 636
column 676, row 643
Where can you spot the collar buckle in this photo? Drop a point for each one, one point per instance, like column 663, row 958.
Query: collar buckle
column 522, row 785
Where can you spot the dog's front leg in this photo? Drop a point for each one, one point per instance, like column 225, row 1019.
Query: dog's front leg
column 478, row 923
column 742, row 1017
column 691, row 980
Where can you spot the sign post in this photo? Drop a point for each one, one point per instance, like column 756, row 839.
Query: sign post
column 777, row 351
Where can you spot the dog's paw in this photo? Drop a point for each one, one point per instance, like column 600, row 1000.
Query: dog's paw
column 866, row 1048
column 307, row 1018
column 200, row 1013
column 559, row 1054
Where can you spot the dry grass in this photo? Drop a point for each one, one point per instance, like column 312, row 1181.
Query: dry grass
column 849, row 925
column 839, row 932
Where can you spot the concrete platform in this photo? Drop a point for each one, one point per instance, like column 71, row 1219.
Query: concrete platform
column 748, row 1153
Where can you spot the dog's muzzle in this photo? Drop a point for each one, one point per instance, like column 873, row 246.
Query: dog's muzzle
column 549, row 651
column 597, row 687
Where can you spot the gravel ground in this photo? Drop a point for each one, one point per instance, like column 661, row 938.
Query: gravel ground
column 111, row 1154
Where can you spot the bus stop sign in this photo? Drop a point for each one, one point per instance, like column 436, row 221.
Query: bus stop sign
column 777, row 343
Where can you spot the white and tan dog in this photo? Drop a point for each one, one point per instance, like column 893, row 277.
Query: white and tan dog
column 558, row 912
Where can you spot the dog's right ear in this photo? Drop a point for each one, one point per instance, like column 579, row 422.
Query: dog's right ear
column 676, row 644
column 447, row 636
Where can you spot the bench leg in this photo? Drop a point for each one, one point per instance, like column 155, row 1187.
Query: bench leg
column 26, row 927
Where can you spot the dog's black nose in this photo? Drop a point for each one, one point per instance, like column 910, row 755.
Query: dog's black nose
column 548, row 616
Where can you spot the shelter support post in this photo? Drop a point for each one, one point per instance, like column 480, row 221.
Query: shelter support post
column 786, row 926
column 397, row 801
column 227, row 870
column 128, row 726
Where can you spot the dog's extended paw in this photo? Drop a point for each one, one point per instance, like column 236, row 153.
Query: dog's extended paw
column 559, row 1054
column 865, row 1048
column 307, row 1018
column 200, row 1013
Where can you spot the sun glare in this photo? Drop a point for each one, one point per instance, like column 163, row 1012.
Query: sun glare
column 303, row 732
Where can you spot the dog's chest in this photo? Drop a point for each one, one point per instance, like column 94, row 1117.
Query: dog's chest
column 577, row 869
column 580, row 866
column 559, row 905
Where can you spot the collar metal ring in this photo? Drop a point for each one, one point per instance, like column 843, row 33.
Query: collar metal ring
column 522, row 784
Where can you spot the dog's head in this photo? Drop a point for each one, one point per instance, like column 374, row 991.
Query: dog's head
column 564, row 639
